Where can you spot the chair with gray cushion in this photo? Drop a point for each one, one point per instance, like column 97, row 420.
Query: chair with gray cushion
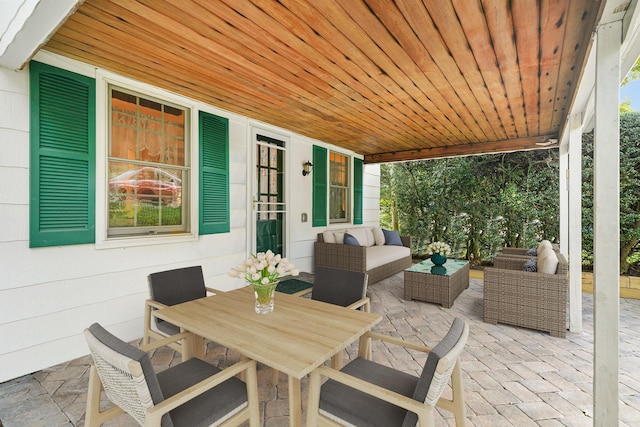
column 365, row 393
column 341, row 287
column 168, row 288
column 192, row 393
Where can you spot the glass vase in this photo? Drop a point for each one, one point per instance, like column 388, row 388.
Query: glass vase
column 264, row 297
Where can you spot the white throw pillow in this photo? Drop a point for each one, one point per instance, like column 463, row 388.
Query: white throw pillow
column 328, row 237
column 378, row 236
column 339, row 236
column 545, row 244
column 360, row 234
column 548, row 262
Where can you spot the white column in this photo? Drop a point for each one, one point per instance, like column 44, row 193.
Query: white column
column 606, row 220
column 564, row 197
column 575, row 223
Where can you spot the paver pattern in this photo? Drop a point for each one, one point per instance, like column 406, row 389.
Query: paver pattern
column 512, row 376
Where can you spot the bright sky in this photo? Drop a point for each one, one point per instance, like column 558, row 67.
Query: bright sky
column 631, row 92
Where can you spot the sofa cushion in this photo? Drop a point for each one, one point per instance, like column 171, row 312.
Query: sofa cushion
column 339, row 236
column 548, row 262
column 350, row 240
column 381, row 255
column 378, row 235
column 363, row 234
column 543, row 245
column 328, row 237
column 392, row 237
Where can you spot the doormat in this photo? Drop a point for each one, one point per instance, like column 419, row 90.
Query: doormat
column 291, row 286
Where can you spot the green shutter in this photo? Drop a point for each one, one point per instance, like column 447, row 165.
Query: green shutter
column 214, row 174
column 319, row 187
column 357, row 191
column 62, row 163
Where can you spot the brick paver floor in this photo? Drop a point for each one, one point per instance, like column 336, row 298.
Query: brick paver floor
column 512, row 376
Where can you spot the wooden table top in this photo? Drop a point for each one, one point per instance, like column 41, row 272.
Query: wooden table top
column 297, row 337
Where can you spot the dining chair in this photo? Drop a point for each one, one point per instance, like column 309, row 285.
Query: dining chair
column 188, row 394
column 365, row 393
column 168, row 288
column 341, row 287
column 346, row 288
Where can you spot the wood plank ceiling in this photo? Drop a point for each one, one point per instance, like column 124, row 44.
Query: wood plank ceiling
column 393, row 80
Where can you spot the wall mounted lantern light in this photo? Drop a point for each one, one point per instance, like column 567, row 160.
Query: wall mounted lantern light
column 306, row 168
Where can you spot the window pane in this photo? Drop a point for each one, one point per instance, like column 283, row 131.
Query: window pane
column 338, row 203
column 339, row 187
column 146, row 181
column 338, row 167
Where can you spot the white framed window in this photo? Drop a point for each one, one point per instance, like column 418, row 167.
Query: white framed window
column 148, row 165
column 339, row 188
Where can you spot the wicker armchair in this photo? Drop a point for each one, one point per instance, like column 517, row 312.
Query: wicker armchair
column 188, row 394
column 366, row 393
column 529, row 299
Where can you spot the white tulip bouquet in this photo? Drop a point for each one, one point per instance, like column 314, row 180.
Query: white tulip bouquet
column 263, row 268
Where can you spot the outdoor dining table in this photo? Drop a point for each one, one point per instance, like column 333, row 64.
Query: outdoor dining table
column 297, row 337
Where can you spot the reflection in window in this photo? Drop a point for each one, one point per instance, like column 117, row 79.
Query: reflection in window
column 147, row 166
column 338, row 188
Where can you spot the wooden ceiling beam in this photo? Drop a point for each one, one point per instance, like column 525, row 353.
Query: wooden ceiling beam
column 505, row 146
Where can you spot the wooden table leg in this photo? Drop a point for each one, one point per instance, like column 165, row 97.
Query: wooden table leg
column 192, row 346
column 337, row 360
column 295, row 402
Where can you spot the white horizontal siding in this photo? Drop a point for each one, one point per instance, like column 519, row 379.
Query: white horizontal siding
column 49, row 295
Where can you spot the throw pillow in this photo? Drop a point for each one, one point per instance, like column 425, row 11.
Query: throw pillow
column 548, row 262
column 328, row 237
column 544, row 244
column 532, row 252
column 350, row 240
column 378, row 236
column 339, row 236
column 392, row 237
column 530, row 265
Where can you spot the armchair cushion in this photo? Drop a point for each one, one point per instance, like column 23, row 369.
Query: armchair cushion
column 542, row 245
column 366, row 409
column 211, row 406
column 532, row 252
column 548, row 262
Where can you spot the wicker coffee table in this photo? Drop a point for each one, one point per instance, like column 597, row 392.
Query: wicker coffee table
column 427, row 282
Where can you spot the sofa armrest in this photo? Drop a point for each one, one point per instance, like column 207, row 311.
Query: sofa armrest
column 406, row 241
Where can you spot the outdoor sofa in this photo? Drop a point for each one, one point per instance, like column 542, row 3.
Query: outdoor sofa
column 536, row 300
column 379, row 253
